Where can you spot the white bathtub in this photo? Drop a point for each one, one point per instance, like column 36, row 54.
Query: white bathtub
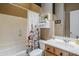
column 13, row 51
column 21, row 53
column 17, row 50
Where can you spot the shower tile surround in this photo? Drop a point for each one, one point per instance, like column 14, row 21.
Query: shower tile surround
column 13, row 32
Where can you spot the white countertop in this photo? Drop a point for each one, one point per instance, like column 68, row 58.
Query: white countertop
column 63, row 46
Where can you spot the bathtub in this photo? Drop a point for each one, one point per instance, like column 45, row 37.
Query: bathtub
column 21, row 53
column 17, row 50
column 13, row 51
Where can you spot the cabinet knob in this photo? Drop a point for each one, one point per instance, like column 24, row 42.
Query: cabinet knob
column 61, row 54
column 47, row 48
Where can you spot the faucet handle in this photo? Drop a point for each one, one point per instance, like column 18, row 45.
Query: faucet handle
column 77, row 37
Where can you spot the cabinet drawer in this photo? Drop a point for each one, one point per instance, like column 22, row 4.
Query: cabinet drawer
column 49, row 54
column 49, row 48
column 60, row 52
column 71, row 54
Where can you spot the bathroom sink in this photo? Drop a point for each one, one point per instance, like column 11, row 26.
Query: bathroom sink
column 56, row 40
column 74, row 42
column 77, row 42
column 63, row 43
column 59, row 40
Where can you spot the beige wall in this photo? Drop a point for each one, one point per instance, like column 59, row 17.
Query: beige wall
column 60, row 14
column 12, row 34
column 49, row 32
column 59, row 29
column 18, row 9
column 9, row 9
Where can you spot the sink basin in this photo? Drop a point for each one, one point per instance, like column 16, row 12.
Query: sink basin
column 59, row 40
column 64, row 42
column 77, row 42
column 74, row 43
column 56, row 40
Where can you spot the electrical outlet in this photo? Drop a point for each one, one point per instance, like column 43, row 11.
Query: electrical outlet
column 57, row 21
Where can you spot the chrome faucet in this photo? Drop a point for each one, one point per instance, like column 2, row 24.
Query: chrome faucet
column 77, row 37
column 66, row 41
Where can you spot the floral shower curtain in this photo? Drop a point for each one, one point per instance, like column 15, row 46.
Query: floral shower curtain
column 32, row 30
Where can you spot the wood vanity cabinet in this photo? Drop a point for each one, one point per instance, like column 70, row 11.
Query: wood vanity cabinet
column 72, row 54
column 53, row 51
column 60, row 52
column 49, row 48
column 49, row 54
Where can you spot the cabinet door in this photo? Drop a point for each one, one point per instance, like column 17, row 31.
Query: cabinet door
column 49, row 54
column 60, row 52
column 71, row 54
column 49, row 48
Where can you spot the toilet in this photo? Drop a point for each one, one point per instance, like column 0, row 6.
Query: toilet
column 36, row 52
